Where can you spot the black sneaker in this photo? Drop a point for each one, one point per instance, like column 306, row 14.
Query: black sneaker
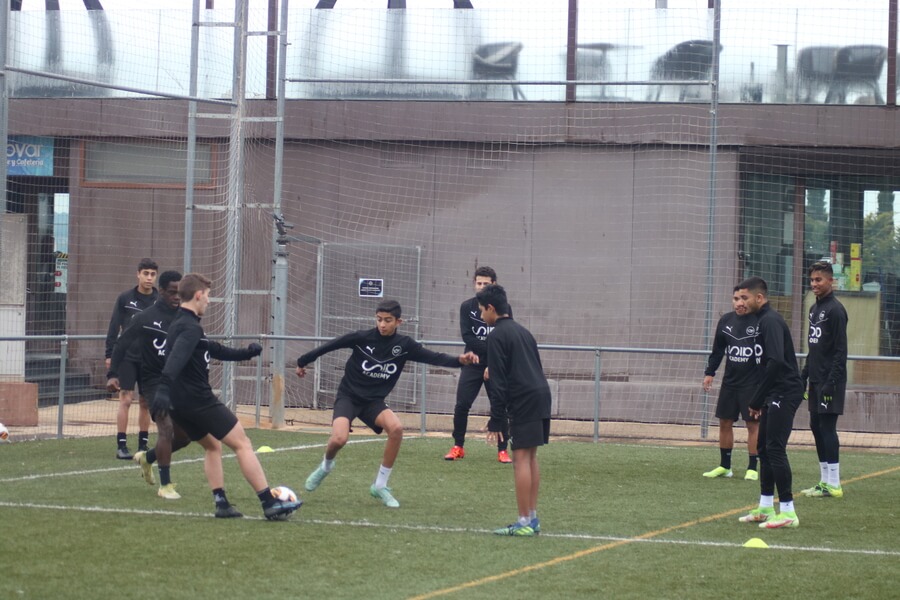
column 281, row 510
column 228, row 512
column 123, row 453
column 143, row 449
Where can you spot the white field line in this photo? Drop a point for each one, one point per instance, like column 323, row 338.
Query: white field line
column 436, row 529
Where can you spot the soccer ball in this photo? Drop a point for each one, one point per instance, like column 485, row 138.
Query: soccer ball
column 284, row 494
column 4, row 434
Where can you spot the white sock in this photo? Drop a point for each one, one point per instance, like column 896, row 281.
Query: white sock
column 766, row 501
column 823, row 472
column 524, row 521
column 834, row 474
column 532, row 514
column 327, row 464
column 786, row 507
column 383, row 474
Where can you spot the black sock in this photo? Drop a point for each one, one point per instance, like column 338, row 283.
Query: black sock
column 164, row 476
column 220, row 498
column 151, row 455
column 725, row 460
column 753, row 463
column 121, row 439
column 143, row 436
column 266, row 497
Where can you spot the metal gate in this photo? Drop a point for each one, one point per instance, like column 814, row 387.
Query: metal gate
column 342, row 306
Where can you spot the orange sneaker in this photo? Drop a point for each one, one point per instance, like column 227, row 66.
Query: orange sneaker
column 503, row 456
column 456, row 453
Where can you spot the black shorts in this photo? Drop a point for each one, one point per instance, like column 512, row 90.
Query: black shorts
column 212, row 419
column 529, row 435
column 366, row 412
column 129, row 375
column 835, row 407
column 734, row 402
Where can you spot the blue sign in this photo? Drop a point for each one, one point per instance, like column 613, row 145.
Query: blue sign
column 29, row 155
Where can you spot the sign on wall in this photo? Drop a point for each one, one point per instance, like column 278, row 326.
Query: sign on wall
column 29, row 155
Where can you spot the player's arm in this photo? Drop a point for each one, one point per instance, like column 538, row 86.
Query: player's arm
column 345, row 341
column 715, row 357
column 221, row 352
column 179, row 356
column 129, row 337
column 421, row 354
column 773, row 357
column 498, row 392
column 115, row 325
column 838, row 371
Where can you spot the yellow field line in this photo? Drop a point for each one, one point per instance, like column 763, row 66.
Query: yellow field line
column 609, row 546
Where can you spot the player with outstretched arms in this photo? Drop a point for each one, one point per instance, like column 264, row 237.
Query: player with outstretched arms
column 376, row 362
column 186, row 395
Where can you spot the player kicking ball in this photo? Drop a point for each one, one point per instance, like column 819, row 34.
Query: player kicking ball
column 375, row 364
column 521, row 397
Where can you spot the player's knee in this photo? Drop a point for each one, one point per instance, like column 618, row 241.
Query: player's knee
column 339, row 439
column 394, row 429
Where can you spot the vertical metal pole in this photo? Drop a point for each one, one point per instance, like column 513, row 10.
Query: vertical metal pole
column 191, row 140
column 235, row 193
column 892, row 54
column 61, row 398
column 597, row 395
column 320, row 273
column 571, row 50
column 258, row 386
column 713, row 156
column 4, row 97
column 281, row 270
column 423, row 413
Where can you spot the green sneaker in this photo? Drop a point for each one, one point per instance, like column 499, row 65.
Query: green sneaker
column 827, row 491
column 751, row 475
column 315, row 478
column 516, row 529
column 384, row 494
column 146, row 468
column 758, row 515
column 719, row 472
column 815, row 488
column 168, row 492
column 781, row 521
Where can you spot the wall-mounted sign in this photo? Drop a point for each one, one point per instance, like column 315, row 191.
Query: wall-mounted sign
column 29, row 155
column 371, row 288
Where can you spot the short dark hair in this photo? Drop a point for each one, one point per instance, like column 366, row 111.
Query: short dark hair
column 754, row 284
column 148, row 263
column 494, row 295
column 168, row 277
column 485, row 272
column 389, row 306
column 821, row 265
column 191, row 284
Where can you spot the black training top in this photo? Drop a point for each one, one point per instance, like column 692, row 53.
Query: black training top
column 146, row 333
column 376, row 362
column 473, row 329
column 128, row 304
column 736, row 339
column 520, row 389
column 780, row 373
column 827, row 359
column 187, row 367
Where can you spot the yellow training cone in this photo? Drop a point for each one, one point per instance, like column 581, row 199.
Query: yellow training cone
column 263, row 449
column 755, row 543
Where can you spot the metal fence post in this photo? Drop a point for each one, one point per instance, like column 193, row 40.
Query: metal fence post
column 597, row 395
column 61, row 399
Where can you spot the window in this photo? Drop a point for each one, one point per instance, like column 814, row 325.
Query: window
column 163, row 164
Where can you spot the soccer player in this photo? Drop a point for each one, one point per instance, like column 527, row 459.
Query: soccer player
column 147, row 333
column 735, row 339
column 474, row 333
column 775, row 402
column 521, row 401
column 128, row 304
column 373, row 369
column 826, row 370
column 184, row 392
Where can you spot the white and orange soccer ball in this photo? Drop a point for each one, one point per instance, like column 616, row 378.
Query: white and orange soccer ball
column 4, row 433
column 284, row 493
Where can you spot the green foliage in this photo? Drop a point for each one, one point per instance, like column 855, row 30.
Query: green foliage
column 881, row 243
column 77, row 524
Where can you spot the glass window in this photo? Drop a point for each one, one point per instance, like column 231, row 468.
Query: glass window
column 154, row 164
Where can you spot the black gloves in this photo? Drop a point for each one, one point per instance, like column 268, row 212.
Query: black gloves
column 161, row 402
column 827, row 391
column 254, row 349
